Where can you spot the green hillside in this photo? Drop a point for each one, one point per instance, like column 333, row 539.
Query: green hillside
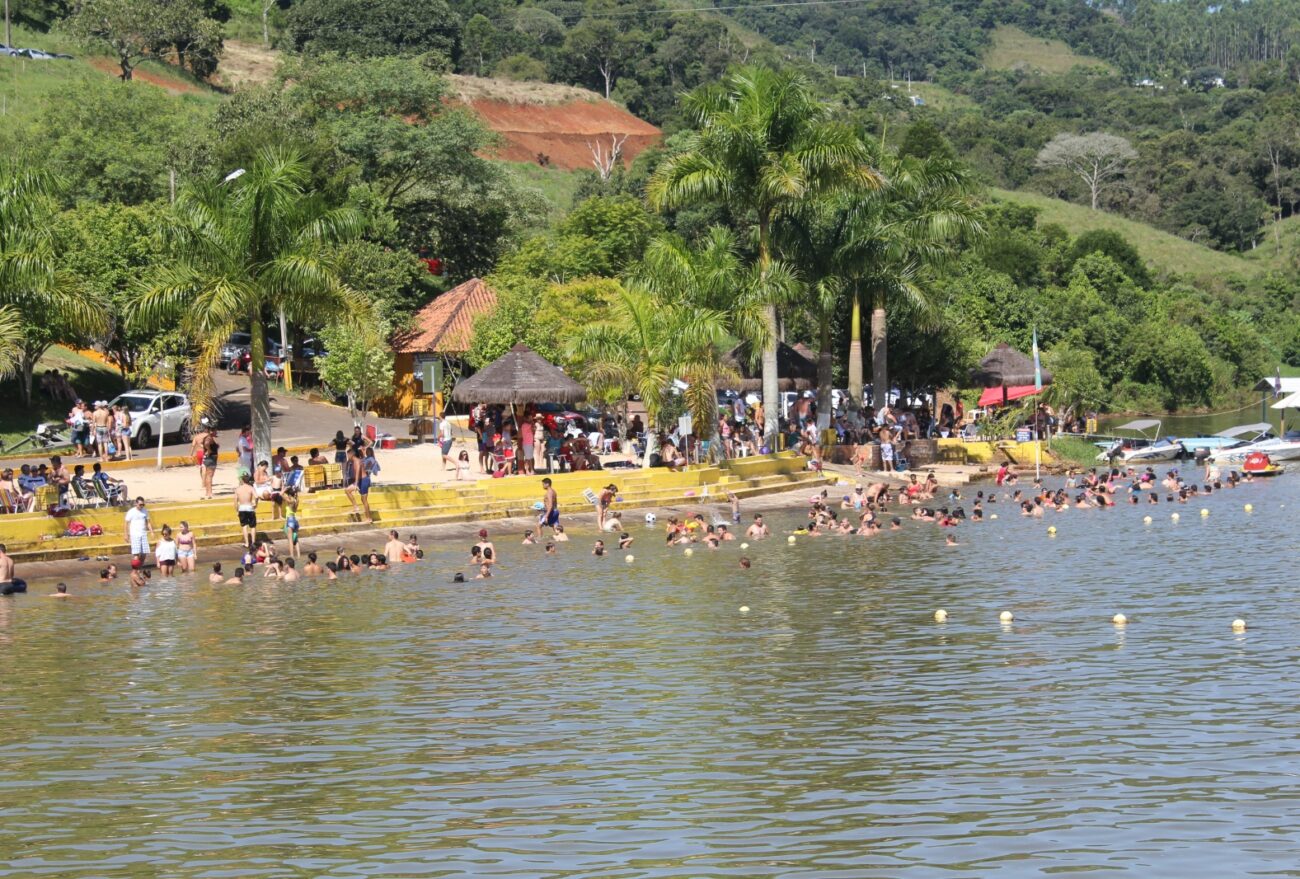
column 24, row 83
column 1280, row 249
column 1166, row 252
column 1013, row 49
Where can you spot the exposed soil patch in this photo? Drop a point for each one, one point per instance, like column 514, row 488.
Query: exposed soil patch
column 564, row 132
column 175, row 86
column 246, row 64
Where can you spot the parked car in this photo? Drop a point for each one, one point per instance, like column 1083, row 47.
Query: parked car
column 148, row 408
column 234, row 347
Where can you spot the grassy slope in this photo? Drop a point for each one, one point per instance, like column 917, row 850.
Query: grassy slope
column 24, row 83
column 90, row 379
column 1166, row 252
column 556, row 185
column 1268, row 255
column 1014, row 49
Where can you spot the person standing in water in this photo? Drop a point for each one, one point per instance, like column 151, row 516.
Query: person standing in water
column 138, row 531
column 550, row 507
column 246, row 507
column 9, row 584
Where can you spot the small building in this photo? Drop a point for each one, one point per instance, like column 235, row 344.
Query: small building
column 440, row 332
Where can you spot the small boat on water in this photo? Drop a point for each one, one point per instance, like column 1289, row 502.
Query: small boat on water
column 1259, row 464
column 1147, row 448
column 1232, row 437
column 1283, row 448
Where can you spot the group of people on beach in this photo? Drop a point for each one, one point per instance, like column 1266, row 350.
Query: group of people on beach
column 100, row 431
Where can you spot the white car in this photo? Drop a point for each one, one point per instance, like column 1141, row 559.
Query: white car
column 147, row 407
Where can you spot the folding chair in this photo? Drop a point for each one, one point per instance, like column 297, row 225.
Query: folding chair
column 10, row 503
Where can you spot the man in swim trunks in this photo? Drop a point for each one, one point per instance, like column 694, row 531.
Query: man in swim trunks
column 9, row 584
column 758, row 529
column 246, row 507
column 138, row 531
column 550, row 507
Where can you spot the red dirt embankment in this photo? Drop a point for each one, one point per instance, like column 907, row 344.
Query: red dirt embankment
column 564, row 132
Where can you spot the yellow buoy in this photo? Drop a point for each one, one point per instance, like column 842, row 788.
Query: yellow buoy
column 689, row 552
column 744, row 608
column 1146, row 520
column 1174, row 516
column 1006, row 616
column 1204, row 512
column 993, row 516
column 1119, row 619
column 1238, row 625
column 940, row 615
column 629, row 559
column 1250, row 508
column 744, row 546
column 1051, row 530
column 790, row 539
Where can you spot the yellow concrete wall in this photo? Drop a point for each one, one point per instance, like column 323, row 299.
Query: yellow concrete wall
column 983, row 452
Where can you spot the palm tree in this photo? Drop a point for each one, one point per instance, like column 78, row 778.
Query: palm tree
column 896, row 237
column 241, row 250
column 762, row 145
column 39, row 303
column 711, row 277
column 645, row 345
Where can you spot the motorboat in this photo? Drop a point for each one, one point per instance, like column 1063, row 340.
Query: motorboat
column 1280, row 448
column 1147, row 448
column 1224, row 439
column 1283, row 448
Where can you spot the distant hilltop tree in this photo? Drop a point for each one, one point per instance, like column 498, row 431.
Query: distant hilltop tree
column 1096, row 158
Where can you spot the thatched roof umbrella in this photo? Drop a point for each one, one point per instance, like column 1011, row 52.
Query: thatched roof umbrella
column 521, row 375
column 797, row 372
column 1006, row 367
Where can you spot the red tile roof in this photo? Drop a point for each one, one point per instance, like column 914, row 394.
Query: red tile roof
column 446, row 325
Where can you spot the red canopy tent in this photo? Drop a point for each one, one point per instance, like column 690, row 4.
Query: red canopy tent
column 993, row 396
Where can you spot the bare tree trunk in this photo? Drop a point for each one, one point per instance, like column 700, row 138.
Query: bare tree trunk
column 825, row 375
column 259, row 395
column 124, row 61
column 855, row 354
column 25, row 370
column 266, row 27
column 771, row 381
column 879, row 366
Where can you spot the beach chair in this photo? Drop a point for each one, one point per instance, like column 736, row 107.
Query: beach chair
column 10, row 503
column 80, row 496
column 503, row 462
column 46, row 496
column 111, row 495
column 590, row 496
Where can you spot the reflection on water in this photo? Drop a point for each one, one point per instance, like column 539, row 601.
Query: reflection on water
column 584, row 717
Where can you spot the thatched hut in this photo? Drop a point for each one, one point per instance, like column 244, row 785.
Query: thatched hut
column 519, row 376
column 797, row 372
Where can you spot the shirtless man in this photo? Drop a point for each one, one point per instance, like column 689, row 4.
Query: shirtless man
column 101, row 421
column 60, row 591
column 9, row 584
column 394, row 547
column 236, row 579
column 757, row 530
column 246, row 507
column 216, row 576
column 550, row 507
column 486, row 552
column 288, row 574
column 312, row 568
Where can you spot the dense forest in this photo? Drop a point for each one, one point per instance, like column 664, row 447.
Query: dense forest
column 1175, row 115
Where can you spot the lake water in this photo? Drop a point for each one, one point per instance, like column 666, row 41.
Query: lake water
column 580, row 717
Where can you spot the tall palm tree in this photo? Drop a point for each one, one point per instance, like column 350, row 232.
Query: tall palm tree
column 39, row 302
column 240, row 251
column 712, row 276
column 895, row 237
column 762, row 145
column 647, row 343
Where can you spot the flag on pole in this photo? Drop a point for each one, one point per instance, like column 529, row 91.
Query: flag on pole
column 1038, row 367
column 1277, row 382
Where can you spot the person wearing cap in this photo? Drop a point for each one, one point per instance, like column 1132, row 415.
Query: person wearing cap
column 102, row 419
column 484, row 550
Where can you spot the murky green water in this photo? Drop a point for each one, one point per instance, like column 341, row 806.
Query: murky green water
column 581, row 717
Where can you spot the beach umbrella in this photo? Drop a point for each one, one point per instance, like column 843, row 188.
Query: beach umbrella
column 1005, row 367
column 796, row 372
column 521, row 375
